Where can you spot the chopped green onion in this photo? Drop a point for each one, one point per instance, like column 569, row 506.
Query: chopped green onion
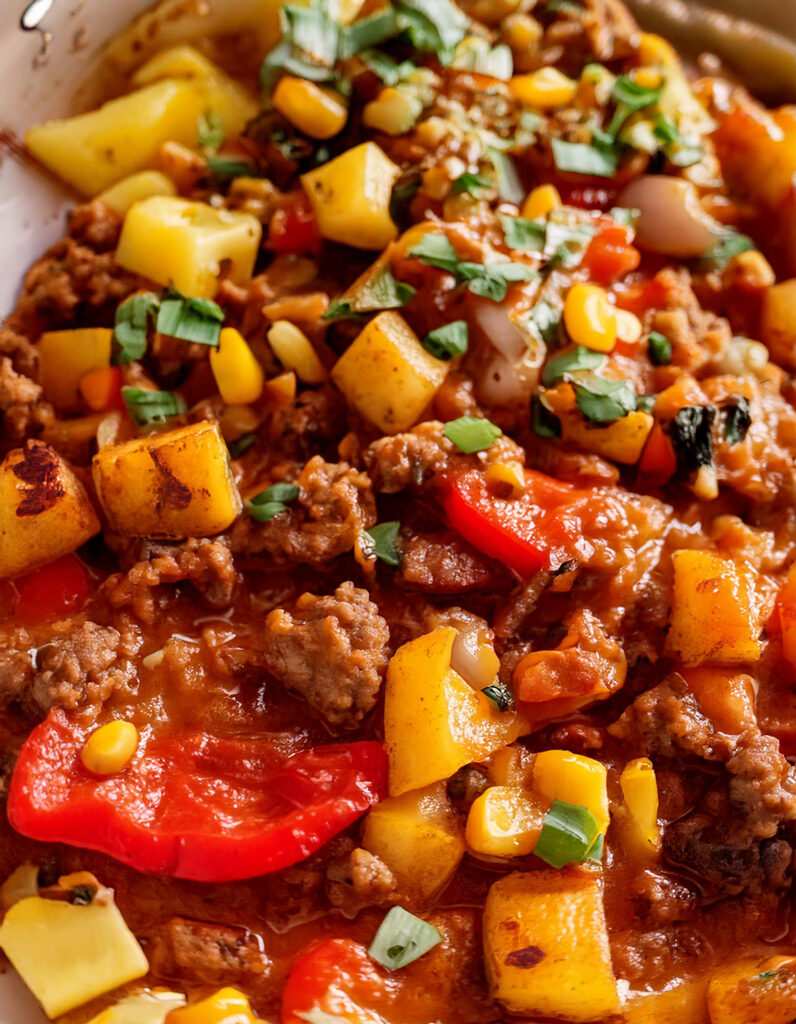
column 629, row 97
column 436, row 250
column 646, row 403
column 659, row 349
column 580, row 158
column 224, row 168
column 546, row 318
column 401, row 939
column 571, row 360
column 147, row 407
column 624, row 217
column 471, row 434
column 509, row 185
column 565, row 244
column 272, row 501
column 130, row 330
column 210, row 130
column 499, row 695
column 380, row 292
column 475, row 184
column 241, row 445
column 522, row 234
column 489, row 280
column 568, row 835
column 602, row 400
column 437, row 26
column 190, row 319
column 728, row 246
column 365, row 33
column 447, row 342
column 382, row 541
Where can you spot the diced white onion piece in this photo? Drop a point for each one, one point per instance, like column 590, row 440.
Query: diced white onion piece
column 672, row 221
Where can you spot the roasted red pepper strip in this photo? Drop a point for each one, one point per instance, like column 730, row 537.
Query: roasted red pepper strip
column 54, row 590
column 339, row 978
column 531, row 532
column 195, row 806
column 610, row 253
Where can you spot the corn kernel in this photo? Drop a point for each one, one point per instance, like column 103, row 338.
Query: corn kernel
column 148, row 1007
column 640, row 790
column 653, row 49
column 648, row 78
column 540, row 201
column 754, row 269
column 239, row 377
column 504, row 821
column 562, row 775
column 522, row 32
column 108, row 749
column 294, row 351
column 319, row 113
column 590, row 318
column 393, row 111
column 227, row 1006
column 706, row 483
column 507, row 476
column 546, row 88
column 628, row 326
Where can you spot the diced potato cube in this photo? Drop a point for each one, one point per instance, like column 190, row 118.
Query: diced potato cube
column 727, row 697
column 143, row 1008
column 121, row 196
column 44, row 509
column 427, row 741
column 575, row 779
column 546, row 946
column 778, row 322
column 221, row 95
column 755, row 989
column 174, row 241
column 684, row 1004
column 351, row 197
column 176, row 484
column 623, row 440
column 94, row 150
column 69, row 954
column 66, row 357
column 419, row 838
column 715, row 615
column 388, row 375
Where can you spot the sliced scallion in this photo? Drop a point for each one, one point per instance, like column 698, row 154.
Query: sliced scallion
column 381, row 540
column 568, row 835
column 147, row 407
column 471, row 433
column 130, row 330
column 190, row 319
column 401, row 939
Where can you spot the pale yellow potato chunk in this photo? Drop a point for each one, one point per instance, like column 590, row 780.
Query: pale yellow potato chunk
column 546, row 947
column 622, row 441
column 388, row 375
column 94, row 150
column 44, row 509
column 351, row 197
column 176, row 484
column 132, row 189
column 66, row 357
column 419, row 838
column 182, row 243
column 69, row 954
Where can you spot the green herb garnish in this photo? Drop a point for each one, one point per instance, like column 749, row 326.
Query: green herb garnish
column 133, row 318
column 690, row 433
column 544, row 422
column 509, row 185
column 571, row 360
column 727, row 247
column 568, row 835
column 383, row 542
column 602, row 400
column 225, row 169
column 447, row 342
column 580, row 158
column 241, row 445
column 471, row 434
column 210, row 130
column 522, row 234
column 147, row 407
column 499, row 695
column 272, row 501
column 382, row 291
column 737, row 419
column 489, row 280
column 190, row 319
column 401, row 939
column 659, row 349
column 475, row 184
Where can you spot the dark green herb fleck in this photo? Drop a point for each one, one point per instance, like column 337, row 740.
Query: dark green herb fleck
column 659, row 349
column 737, row 419
column 447, row 342
column 382, row 541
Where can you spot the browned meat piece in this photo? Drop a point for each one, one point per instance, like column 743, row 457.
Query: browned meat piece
column 207, row 953
column 335, row 504
column 16, row 664
column 412, row 458
column 443, row 563
column 82, row 665
column 23, row 410
column 359, row 879
column 332, row 650
column 315, row 422
column 661, row 900
column 95, row 225
column 71, row 284
column 204, row 563
column 696, row 334
column 24, row 356
column 763, row 785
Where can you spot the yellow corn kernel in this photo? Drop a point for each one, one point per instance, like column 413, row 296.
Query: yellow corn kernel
column 628, row 326
column 590, row 318
column 108, row 749
column 319, row 113
column 239, row 377
column 546, row 88
column 541, row 201
column 640, row 790
column 294, row 351
column 648, row 78
column 507, row 476
column 504, row 821
column 653, row 49
column 705, row 485
column 132, row 189
column 575, row 779
column 227, row 1006
column 393, row 111
column 522, row 32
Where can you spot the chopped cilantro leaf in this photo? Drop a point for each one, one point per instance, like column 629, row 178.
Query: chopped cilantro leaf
column 602, row 400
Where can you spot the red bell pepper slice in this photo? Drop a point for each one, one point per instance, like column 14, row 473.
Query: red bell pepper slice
column 59, row 588
column 610, row 253
column 195, row 806
column 339, row 978
column 293, row 227
column 537, row 530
